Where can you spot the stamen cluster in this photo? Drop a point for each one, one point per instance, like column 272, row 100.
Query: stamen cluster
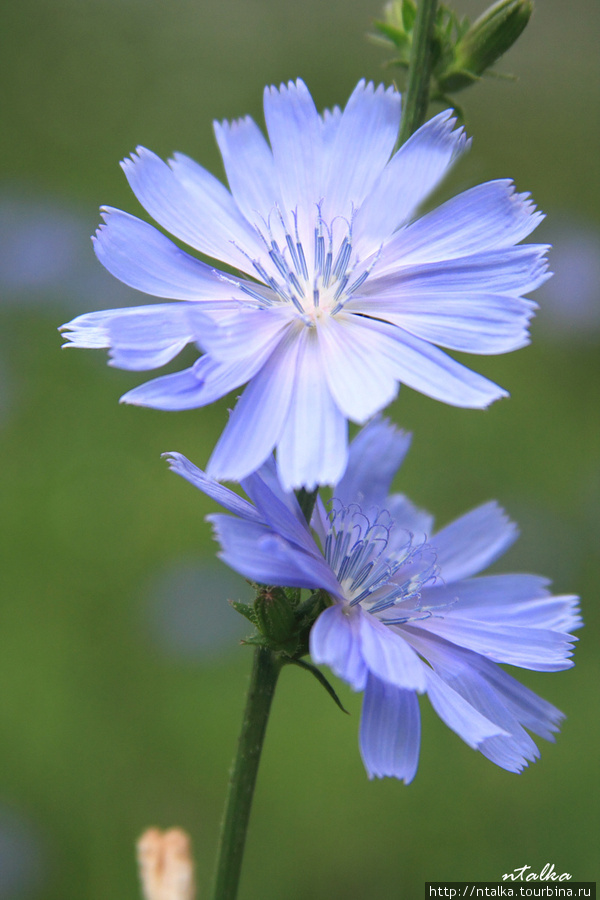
column 373, row 571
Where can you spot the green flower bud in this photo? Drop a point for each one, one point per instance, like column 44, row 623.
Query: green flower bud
column 275, row 617
column 486, row 40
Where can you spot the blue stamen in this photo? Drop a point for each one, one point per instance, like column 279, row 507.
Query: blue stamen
column 303, row 266
column 356, row 284
column 342, row 258
column 340, row 288
column 327, row 269
column 278, row 260
column 319, row 252
column 296, row 284
column 264, row 301
column 293, row 252
column 357, row 551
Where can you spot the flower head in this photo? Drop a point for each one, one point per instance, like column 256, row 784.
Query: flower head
column 407, row 615
column 342, row 293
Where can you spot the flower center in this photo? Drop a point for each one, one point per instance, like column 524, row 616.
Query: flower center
column 317, row 277
column 379, row 566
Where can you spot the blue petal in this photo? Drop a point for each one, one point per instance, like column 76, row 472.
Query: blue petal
column 473, row 542
column 486, row 217
column 494, row 695
column 151, row 336
column 424, row 368
column 258, row 418
column 223, row 496
column 278, row 515
column 206, row 381
column 90, row 331
column 482, row 324
column 458, row 714
column 295, row 132
column 507, row 599
column 388, row 656
column 555, row 613
column 260, row 554
column 335, row 640
column 193, row 205
column 531, row 711
column 249, row 167
column 474, row 596
column 390, row 731
column 410, row 176
column 140, row 256
column 268, row 475
column 312, row 448
column 181, row 390
column 245, row 333
column 407, row 518
column 320, row 520
column 361, row 380
column 472, row 304
column 529, row 648
column 512, row 271
column 364, row 140
column 376, row 454
column 466, row 711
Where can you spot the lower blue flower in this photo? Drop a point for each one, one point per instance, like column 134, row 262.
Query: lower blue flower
column 407, row 615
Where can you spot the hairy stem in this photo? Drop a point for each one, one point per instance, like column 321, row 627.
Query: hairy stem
column 416, row 95
column 263, row 679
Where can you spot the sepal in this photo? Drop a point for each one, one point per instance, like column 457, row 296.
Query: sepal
column 322, row 681
column 282, row 619
column 276, row 619
column 246, row 610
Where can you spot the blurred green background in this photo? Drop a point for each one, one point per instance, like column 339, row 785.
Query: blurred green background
column 121, row 678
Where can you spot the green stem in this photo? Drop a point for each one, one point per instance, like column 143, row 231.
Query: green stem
column 263, row 679
column 416, row 96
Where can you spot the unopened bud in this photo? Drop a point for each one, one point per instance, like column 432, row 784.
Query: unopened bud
column 486, row 40
column 165, row 865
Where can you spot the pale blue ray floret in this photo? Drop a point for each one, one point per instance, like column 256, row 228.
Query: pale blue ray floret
column 406, row 614
column 338, row 291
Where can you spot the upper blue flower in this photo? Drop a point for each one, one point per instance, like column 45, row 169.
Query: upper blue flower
column 345, row 291
column 406, row 616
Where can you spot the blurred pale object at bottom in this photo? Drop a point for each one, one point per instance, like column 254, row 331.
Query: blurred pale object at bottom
column 165, row 865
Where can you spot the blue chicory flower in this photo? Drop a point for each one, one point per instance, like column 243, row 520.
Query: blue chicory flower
column 407, row 615
column 344, row 292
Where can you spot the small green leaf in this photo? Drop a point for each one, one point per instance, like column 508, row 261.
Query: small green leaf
column 399, row 38
column 456, row 80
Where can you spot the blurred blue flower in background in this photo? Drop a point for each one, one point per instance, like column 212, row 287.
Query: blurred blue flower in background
column 347, row 295
column 570, row 301
column 23, row 855
column 406, row 615
column 45, row 255
column 184, row 620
